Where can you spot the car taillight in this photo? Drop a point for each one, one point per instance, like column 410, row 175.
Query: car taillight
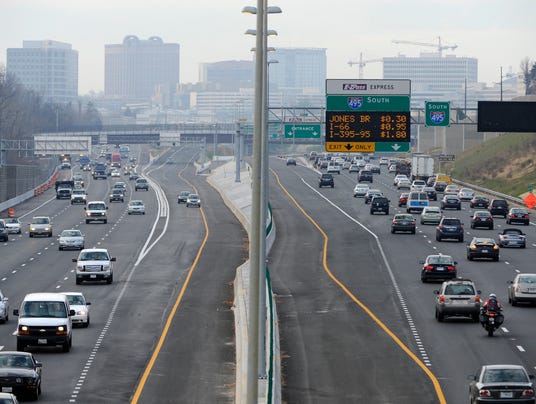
column 477, row 298
column 511, row 216
column 440, row 227
column 495, row 247
column 517, row 289
column 527, row 393
column 484, row 393
column 395, row 222
column 451, row 268
column 428, row 268
column 441, row 298
column 461, row 228
column 505, row 237
column 526, row 217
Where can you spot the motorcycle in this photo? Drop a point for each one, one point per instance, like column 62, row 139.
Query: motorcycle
column 491, row 321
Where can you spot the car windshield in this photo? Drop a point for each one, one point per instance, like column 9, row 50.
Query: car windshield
column 505, row 375
column 136, row 203
column 482, row 214
column 459, row 290
column 440, row 259
column 432, row 210
column 11, row 221
column 16, row 361
column 40, row 220
column 513, row 231
column 93, row 256
column 96, row 206
column 403, row 217
column 71, row 233
column 76, row 300
column 43, row 309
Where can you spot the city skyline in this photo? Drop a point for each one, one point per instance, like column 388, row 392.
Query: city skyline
column 495, row 33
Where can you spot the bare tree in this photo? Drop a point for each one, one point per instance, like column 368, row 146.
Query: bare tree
column 526, row 66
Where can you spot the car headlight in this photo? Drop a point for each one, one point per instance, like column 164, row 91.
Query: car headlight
column 47, row 228
column 81, row 313
column 88, row 213
column 61, row 330
column 32, row 228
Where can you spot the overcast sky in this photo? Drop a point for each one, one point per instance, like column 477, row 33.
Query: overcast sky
column 496, row 32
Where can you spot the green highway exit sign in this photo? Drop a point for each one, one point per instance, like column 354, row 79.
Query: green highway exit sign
column 437, row 113
column 302, row 131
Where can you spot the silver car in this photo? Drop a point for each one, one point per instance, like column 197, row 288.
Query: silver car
column 71, row 239
column 431, row 215
column 78, row 303
column 193, row 200
column 136, row 207
column 466, row 194
column 522, row 289
column 457, row 297
column 360, row 190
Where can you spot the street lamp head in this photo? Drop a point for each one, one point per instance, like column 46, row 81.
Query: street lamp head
column 269, row 32
column 269, row 10
column 268, row 49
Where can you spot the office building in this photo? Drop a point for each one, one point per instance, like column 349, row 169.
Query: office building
column 432, row 76
column 228, row 75
column 50, row 68
column 138, row 69
column 299, row 74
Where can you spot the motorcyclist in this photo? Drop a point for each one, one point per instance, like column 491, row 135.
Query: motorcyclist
column 491, row 304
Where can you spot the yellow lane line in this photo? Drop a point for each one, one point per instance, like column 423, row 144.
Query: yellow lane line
column 171, row 316
column 369, row 312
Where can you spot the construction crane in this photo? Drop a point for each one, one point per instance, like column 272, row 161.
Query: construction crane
column 361, row 63
column 439, row 46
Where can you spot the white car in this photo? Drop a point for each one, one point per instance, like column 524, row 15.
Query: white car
column 40, row 225
column 78, row 196
column 403, row 183
column 94, row 264
column 334, row 169
column 452, row 189
column 78, row 303
column 392, row 168
column 361, row 190
column 398, row 177
column 13, row 225
column 115, row 173
column 466, row 194
column 384, row 161
column 71, row 239
column 193, row 200
column 418, row 185
column 136, row 207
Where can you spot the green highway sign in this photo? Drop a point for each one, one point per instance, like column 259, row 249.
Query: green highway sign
column 401, row 147
column 437, row 113
column 367, row 103
column 364, row 116
column 302, row 131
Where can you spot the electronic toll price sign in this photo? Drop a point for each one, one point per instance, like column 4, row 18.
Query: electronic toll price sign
column 366, row 116
column 361, row 131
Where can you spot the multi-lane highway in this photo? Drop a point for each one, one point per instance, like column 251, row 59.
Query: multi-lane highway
column 357, row 325
column 168, row 310
column 338, row 274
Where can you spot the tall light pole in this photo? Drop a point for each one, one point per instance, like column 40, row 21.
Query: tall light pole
column 257, row 252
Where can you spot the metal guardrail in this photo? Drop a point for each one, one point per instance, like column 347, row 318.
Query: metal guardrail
column 509, row 198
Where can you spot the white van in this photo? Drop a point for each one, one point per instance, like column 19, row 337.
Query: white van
column 44, row 320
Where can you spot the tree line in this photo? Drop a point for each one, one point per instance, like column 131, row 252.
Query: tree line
column 23, row 112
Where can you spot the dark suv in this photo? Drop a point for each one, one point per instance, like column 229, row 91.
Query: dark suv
column 364, row 176
column 450, row 228
column 498, row 207
column 379, row 204
column 326, row 180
